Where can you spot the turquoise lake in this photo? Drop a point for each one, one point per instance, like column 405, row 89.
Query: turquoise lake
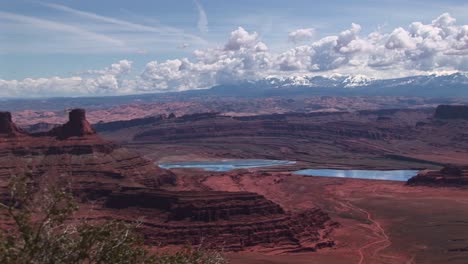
column 225, row 165
column 228, row 165
column 389, row 175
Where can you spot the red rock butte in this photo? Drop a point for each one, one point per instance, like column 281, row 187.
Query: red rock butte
column 7, row 127
column 77, row 126
column 74, row 152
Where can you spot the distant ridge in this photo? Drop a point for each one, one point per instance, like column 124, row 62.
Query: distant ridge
column 440, row 86
column 452, row 112
column 452, row 85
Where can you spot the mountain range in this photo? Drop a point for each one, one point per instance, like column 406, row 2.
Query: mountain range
column 436, row 85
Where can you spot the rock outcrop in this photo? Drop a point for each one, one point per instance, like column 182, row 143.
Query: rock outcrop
column 231, row 220
column 447, row 176
column 196, row 206
column 7, row 127
column 77, row 126
column 452, row 112
column 73, row 152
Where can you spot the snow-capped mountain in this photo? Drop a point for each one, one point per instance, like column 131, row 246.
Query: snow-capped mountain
column 360, row 80
column 439, row 85
column 357, row 80
column 319, row 81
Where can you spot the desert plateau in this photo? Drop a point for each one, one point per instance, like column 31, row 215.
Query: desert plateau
column 268, row 214
column 233, row 132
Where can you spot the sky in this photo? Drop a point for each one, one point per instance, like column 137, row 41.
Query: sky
column 88, row 47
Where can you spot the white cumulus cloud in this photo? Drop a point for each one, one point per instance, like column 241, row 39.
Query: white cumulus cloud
column 240, row 38
column 301, row 35
column 107, row 81
column 418, row 48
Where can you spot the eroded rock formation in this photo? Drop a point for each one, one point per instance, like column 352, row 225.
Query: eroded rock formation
column 7, row 127
column 93, row 166
column 77, row 126
column 448, row 176
column 231, row 220
column 288, row 125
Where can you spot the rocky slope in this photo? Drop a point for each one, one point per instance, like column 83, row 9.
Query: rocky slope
column 227, row 220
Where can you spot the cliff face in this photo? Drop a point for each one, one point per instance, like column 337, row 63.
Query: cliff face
column 447, row 176
column 7, row 127
column 228, row 220
column 73, row 152
column 452, row 112
column 268, row 126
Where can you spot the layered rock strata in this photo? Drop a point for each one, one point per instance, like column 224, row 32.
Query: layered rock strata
column 228, row 220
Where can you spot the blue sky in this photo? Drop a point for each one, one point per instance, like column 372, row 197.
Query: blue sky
column 43, row 39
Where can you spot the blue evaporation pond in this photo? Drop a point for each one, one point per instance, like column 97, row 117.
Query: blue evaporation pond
column 388, row 175
column 225, row 165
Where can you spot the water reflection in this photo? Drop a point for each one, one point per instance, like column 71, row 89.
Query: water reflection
column 225, row 165
column 389, row 175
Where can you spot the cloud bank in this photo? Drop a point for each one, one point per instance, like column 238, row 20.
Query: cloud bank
column 301, row 35
column 416, row 49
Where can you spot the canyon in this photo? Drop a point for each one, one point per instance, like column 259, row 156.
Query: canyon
column 270, row 214
column 382, row 139
column 380, row 221
column 113, row 182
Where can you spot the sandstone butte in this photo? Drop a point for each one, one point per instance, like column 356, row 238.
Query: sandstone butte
column 111, row 182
